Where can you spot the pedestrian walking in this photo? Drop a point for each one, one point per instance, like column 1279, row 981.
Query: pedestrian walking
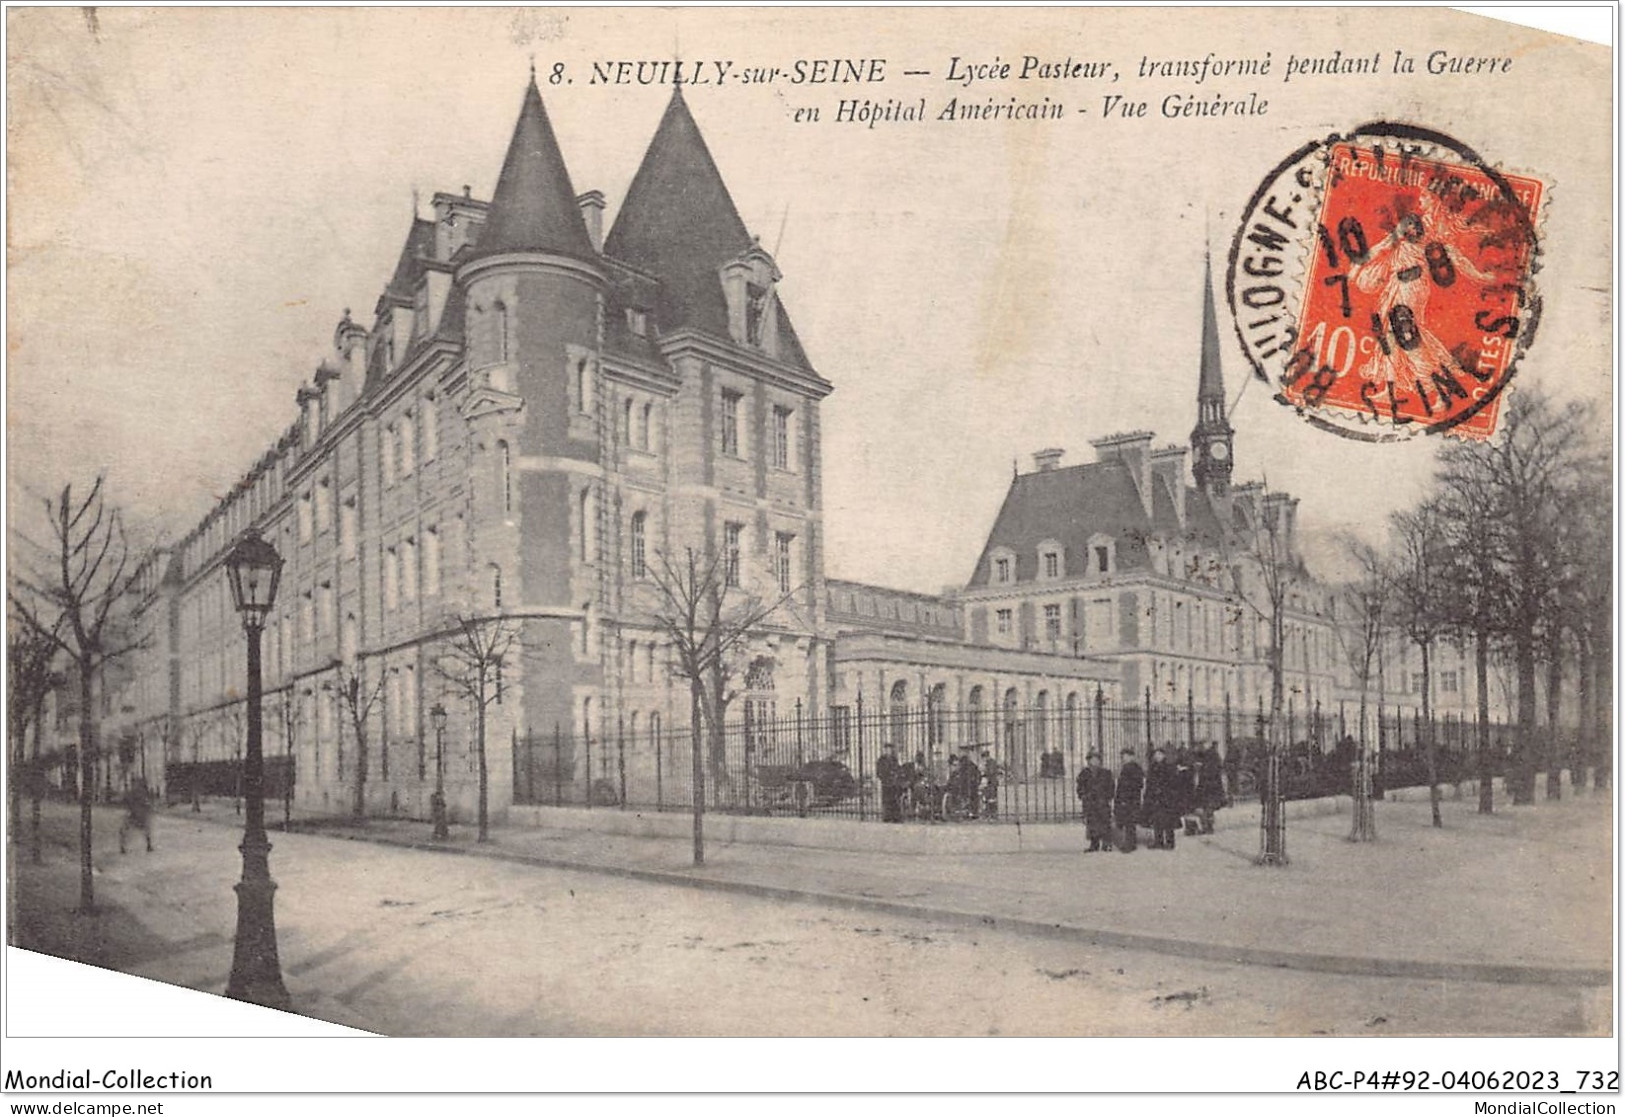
column 990, row 785
column 1185, row 787
column 1210, row 793
column 892, row 782
column 137, row 816
column 1096, row 788
column 1162, row 799
column 1126, row 802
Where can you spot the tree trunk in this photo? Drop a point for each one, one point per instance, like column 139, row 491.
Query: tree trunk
column 1554, row 705
column 1602, row 706
column 1585, row 743
column 1430, row 746
column 485, row 773
column 36, row 788
column 1524, row 792
column 697, row 749
column 1486, row 773
column 87, row 792
column 358, row 809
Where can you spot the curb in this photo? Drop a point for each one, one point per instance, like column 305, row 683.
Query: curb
column 1353, row 965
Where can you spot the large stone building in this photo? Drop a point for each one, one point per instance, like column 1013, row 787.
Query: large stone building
column 538, row 416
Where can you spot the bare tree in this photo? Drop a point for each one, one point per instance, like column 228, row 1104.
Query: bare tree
column 292, row 719
column 30, row 678
column 79, row 589
column 1523, row 475
column 1475, row 605
column 1263, row 576
column 706, row 616
column 1361, row 633
column 473, row 663
column 359, row 701
column 1419, row 611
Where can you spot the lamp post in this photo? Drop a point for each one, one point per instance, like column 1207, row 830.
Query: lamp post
column 437, row 802
column 253, row 568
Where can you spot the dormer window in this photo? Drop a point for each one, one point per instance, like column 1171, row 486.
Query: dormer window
column 1102, row 554
column 1001, row 570
column 420, row 310
column 637, row 321
column 1050, row 566
column 1103, row 560
column 748, row 284
column 1002, row 567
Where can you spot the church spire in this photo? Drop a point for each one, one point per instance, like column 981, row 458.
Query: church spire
column 533, row 208
column 1212, row 439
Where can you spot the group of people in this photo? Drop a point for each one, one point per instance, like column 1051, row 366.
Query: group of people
column 1190, row 785
column 971, row 788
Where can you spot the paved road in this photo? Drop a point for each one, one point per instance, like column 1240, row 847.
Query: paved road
column 405, row 942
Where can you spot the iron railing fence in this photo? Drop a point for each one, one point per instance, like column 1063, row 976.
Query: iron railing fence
column 767, row 763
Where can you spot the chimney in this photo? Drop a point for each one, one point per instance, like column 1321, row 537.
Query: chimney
column 1133, row 449
column 1047, row 460
column 1168, row 467
column 592, row 212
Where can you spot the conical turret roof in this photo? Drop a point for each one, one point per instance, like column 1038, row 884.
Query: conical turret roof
column 679, row 223
column 533, row 208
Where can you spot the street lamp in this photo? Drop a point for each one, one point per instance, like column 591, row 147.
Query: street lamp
column 253, row 568
column 437, row 802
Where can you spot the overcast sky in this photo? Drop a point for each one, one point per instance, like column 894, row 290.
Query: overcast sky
column 198, row 194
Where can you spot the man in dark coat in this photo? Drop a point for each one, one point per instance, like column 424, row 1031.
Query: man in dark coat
column 1096, row 788
column 1126, row 803
column 1210, row 793
column 970, row 786
column 892, row 782
column 1162, row 799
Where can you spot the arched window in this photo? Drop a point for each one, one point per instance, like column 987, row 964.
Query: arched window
column 589, row 528
column 505, row 476
column 630, row 412
column 640, row 563
column 899, row 712
column 936, row 704
column 1041, row 720
column 646, row 441
column 1072, row 722
column 1012, row 723
column 584, row 385
column 499, row 332
column 973, row 707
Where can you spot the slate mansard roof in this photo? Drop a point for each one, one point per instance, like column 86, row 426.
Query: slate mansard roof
column 1078, row 503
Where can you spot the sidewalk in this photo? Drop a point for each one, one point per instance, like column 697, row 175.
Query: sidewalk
column 1521, row 896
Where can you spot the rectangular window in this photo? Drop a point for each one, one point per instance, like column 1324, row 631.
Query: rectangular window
column 781, row 437
column 1004, row 622
column 431, row 562
column 386, row 455
column 731, row 535
column 730, row 422
column 409, row 570
column 640, row 543
column 392, row 585
column 781, row 560
column 1416, row 683
column 347, row 528
column 304, row 518
column 408, row 445
column 1052, row 622
column 1448, row 682
column 1103, row 560
column 1052, row 564
column 324, row 507
column 1001, row 570
column 429, row 433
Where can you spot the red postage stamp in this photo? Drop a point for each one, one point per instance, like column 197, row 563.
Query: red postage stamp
column 1415, row 298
